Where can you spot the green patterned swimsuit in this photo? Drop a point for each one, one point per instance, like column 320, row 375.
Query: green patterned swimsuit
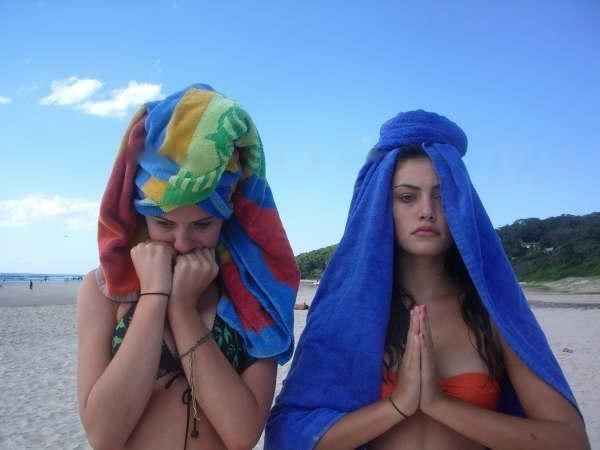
column 229, row 341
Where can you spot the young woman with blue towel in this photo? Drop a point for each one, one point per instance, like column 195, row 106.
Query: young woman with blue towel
column 419, row 336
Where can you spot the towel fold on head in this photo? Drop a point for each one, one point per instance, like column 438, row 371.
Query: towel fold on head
column 200, row 147
column 337, row 366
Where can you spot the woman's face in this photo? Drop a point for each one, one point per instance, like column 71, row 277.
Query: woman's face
column 186, row 228
column 419, row 221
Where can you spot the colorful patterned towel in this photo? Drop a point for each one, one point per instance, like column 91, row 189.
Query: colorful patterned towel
column 200, row 147
column 337, row 364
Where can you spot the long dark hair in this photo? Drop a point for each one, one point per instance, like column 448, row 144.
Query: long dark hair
column 473, row 312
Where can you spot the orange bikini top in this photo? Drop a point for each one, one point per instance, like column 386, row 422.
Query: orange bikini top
column 474, row 387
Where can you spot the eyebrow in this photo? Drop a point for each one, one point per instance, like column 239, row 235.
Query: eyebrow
column 164, row 219
column 411, row 186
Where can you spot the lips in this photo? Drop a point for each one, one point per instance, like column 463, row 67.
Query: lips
column 426, row 231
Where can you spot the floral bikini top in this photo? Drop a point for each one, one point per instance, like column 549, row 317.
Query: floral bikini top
column 229, row 341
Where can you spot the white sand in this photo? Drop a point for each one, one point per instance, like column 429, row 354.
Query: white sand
column 44, row 293
column 574, row 335
column 38, row 406
column 37, row 372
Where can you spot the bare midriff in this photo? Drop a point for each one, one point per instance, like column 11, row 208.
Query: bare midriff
column 163, row 423
column 420, row 432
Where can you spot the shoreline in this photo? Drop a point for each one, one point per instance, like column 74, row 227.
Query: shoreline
column 65, row 293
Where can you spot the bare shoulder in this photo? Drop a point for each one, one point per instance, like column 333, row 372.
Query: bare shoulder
column 539, row 399
column 88, row 286
column 95, row 314
column 89, row 298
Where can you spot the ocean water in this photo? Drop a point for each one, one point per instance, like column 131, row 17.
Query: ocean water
column 25, row 278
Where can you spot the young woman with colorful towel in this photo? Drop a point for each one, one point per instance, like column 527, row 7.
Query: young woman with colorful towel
column 181, row 326
column 419, row 336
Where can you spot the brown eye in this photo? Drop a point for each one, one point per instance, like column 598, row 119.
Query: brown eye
column 202, row 225
column 163, row 223
column 406, row 198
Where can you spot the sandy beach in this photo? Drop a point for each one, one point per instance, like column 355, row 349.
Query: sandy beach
column 38, row 407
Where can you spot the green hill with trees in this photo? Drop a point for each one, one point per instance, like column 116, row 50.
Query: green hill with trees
column 312, row 264
column 539, row 249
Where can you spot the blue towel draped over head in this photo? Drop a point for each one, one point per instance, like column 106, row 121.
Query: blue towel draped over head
column 338, row 362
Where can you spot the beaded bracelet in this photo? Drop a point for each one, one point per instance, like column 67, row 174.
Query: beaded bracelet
column 198, row 343
column 190, row 353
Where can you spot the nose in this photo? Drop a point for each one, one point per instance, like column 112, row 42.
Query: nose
column 427, row 210
column 182, row 242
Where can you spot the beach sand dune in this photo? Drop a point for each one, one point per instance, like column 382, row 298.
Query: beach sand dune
column 38, row 404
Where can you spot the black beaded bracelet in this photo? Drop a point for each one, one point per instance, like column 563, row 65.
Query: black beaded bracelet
column 155, row 293
column 198, row 343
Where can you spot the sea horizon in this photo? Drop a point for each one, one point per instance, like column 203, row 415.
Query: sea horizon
column 26, row 277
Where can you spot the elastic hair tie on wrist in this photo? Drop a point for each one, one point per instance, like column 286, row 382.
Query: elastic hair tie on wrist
column 396, row 408
column 155, row 293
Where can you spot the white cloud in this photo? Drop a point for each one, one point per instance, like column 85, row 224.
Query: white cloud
column 5, row 100
column 121, row 100
column 77, row 93
column 33, row 208
column 71, row 91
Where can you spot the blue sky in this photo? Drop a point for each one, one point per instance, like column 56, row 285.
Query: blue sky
column 522, row 78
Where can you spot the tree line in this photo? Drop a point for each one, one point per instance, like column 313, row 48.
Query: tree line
column 538, row 249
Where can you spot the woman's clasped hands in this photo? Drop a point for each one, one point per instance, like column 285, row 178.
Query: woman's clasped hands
column 184, row 276
column 418, row 384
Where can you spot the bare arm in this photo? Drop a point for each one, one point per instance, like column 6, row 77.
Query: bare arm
column 360, row 426
column 365, row 424
column 552, row 422
column 113, row 393
column 236, row 406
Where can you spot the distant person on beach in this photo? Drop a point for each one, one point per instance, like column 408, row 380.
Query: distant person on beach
column 181, row 327
column 30, row 284
column 419, row 336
